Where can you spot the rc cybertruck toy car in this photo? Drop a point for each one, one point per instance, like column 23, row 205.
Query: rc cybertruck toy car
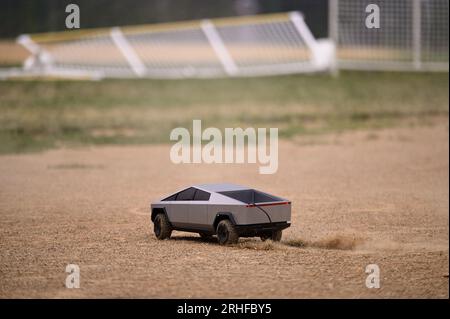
column 226, row 210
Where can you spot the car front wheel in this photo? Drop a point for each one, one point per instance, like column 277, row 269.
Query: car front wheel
column 226, row 233
column 161, row 227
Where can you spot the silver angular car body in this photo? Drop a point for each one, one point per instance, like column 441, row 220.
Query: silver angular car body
column 201, row 207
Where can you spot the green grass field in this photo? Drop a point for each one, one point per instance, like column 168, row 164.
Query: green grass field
column 37, row 115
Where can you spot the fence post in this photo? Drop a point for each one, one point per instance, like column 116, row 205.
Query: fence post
column 333, row 20
column 333, row 30
column 39, row 57
column 417, row 30
column 128, row 52
column 219, row 47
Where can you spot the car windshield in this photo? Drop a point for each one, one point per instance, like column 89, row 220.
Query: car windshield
column 251, row 196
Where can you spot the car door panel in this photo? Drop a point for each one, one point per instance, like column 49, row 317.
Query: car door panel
column 178, row 213
column 198, row 211
column 180, row 208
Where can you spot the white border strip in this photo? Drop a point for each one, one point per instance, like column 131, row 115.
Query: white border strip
column 219, row 47
column 128, row 52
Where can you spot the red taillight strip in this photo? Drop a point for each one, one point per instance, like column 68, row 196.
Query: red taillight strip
column 269, row 204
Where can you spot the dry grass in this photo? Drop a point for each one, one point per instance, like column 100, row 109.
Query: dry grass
column 40, row 115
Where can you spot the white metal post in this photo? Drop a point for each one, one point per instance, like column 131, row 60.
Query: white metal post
column 333, row 31
column 323, row 54
column 302, row 28
column 219, row 47
column 333, row 18
column 417, row 36
column 128, row 52
column 39, row 57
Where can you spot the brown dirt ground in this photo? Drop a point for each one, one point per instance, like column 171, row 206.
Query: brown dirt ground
column 12, row 53
column 358, row 198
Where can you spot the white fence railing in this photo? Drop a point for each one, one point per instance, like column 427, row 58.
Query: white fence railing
column 242, row 46
column 412, row 36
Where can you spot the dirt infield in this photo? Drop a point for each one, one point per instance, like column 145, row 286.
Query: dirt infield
column 358, row 198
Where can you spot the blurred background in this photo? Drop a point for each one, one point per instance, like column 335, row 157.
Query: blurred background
column 307, row 67
column 28, row 16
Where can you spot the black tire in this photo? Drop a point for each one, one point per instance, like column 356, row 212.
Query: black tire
column 274, row 235
column 161, row 227
column 205, row 236
column 226, row 233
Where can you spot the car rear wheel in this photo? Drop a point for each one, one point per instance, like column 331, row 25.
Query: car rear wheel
column 226, row 233
column 274, row 235
column 161, row 227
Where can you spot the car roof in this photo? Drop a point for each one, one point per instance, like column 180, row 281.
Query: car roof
column 223, row 187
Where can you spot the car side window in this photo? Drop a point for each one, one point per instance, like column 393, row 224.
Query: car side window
column 171, row 197
column 261, row 197
column 187, row 194
column 201, row 195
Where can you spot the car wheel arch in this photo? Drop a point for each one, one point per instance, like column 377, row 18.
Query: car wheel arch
column 221, row 216
column 159, row 210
